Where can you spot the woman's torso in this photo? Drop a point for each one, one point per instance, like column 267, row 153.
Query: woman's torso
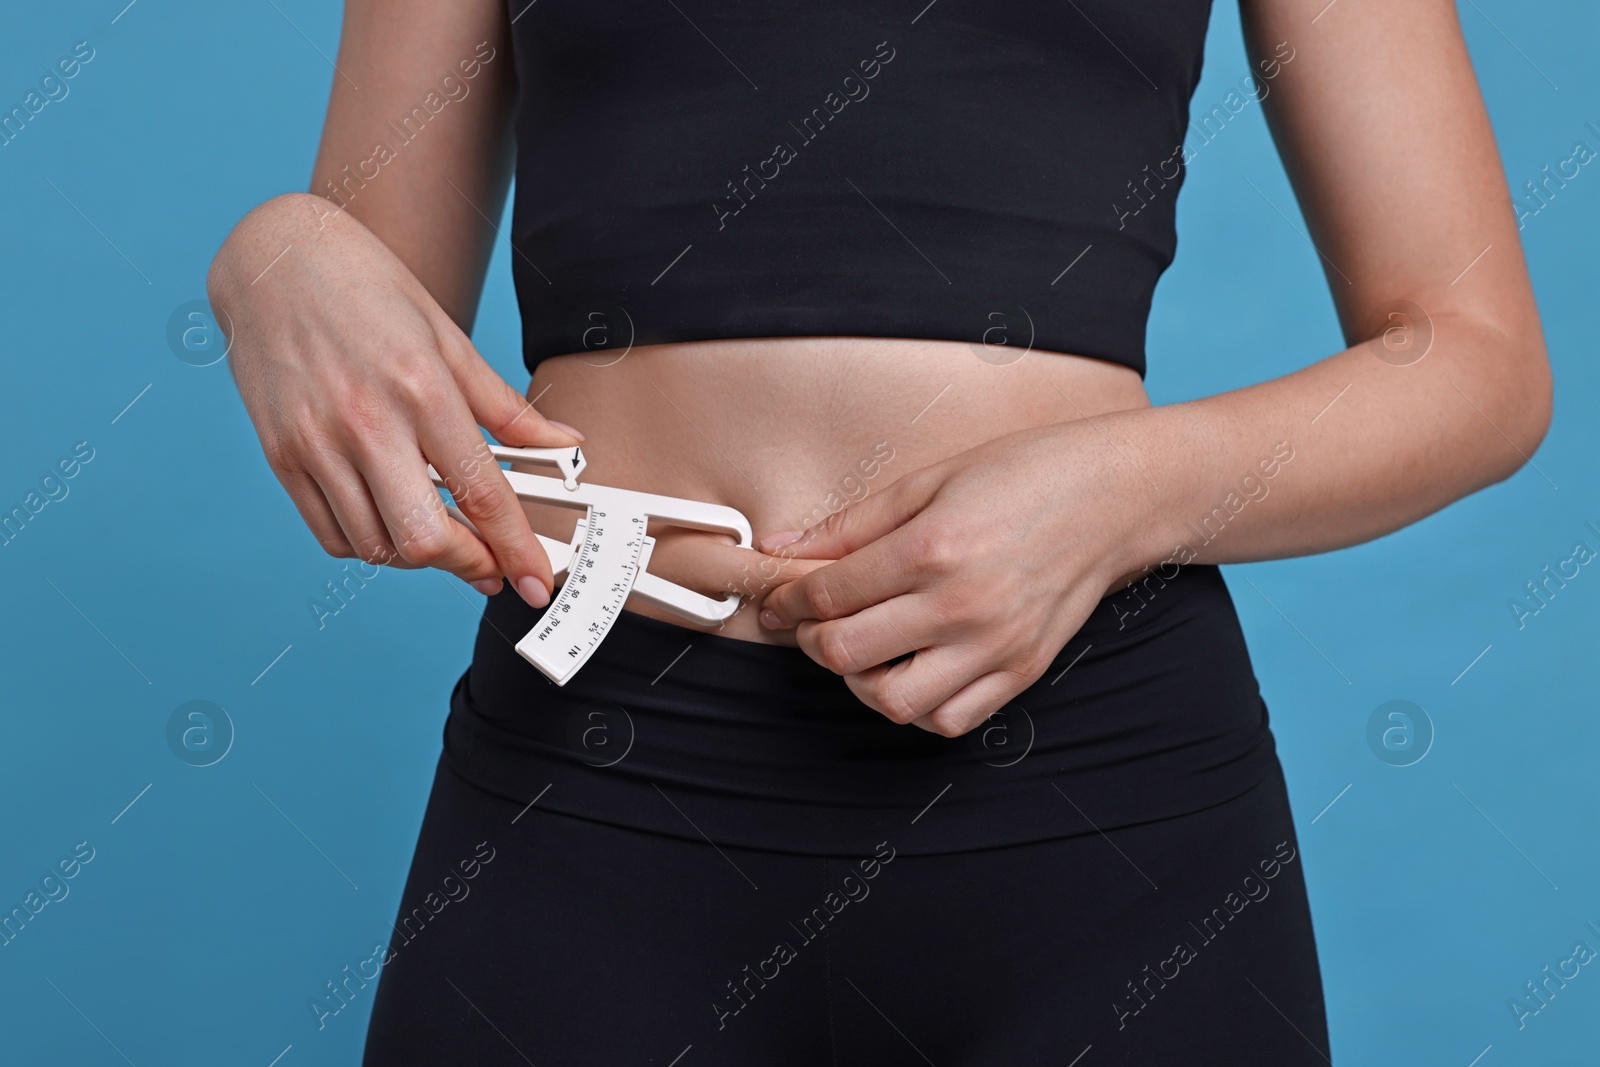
column 955, row 253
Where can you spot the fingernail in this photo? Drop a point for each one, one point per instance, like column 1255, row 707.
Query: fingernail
column 770, row 620
column 564, row 426
column 487, row 586
column 532, row 590
column 773, row 542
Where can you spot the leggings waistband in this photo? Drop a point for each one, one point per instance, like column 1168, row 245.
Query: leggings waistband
column 1150, row 711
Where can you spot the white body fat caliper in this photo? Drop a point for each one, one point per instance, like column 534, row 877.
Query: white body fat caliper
column 606, row 561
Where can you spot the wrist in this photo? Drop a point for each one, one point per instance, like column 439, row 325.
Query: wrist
column 1208, row 473
column 269, row 228
column 1157, row 474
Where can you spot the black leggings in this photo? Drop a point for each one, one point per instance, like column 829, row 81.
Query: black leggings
column 531, row 937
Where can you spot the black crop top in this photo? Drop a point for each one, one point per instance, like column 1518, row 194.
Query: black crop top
column 991, row 171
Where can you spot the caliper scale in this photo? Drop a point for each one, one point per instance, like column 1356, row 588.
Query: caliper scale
column 606, row 561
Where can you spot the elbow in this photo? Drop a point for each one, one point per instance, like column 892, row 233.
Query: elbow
column 1524, row 404
column 1541, row 402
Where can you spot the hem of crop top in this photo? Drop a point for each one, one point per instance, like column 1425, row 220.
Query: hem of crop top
column 1107, row 322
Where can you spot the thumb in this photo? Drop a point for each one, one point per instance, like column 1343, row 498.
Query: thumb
column 499, row 408
column 857, row 525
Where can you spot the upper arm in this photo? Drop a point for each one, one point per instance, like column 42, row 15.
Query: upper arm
column 1383, row 132
column 417, row 142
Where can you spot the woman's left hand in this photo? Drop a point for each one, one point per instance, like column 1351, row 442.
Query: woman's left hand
column 983, row 565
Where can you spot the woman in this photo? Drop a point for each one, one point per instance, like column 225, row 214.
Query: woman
column 980, row 773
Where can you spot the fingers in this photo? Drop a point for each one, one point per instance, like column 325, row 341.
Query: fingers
column 892, row 565
column 381, row 505
column 946, row 690
column 497, row 406
column 420, row 531
column 368, row 493
column 474, row 478
column 859, row 524
column 315, row 512
column 963, row 670
column 860, row 648
column 361, row 526
column 881, row 553
column 971, row 707
column 954, row 677
column 870, row 638
column 908, row 691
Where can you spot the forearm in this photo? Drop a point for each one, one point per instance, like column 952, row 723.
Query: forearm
column 420, row 154
column 1341, row 452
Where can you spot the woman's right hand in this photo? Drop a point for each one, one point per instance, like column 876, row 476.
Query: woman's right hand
column 356, row 379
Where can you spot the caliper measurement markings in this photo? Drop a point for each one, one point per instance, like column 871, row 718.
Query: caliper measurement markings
column 591, row 598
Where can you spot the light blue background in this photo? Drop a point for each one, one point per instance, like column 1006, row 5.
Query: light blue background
column 176, row 569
